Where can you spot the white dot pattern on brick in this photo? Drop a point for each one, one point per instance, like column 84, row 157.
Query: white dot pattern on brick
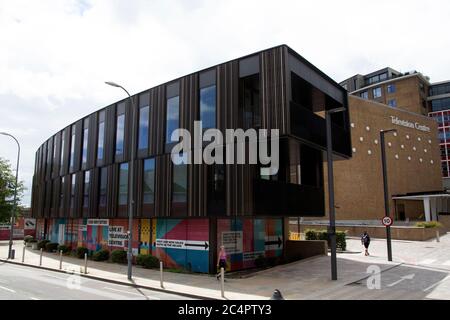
column 375, row 141
column 420, row 159
column 407, row 136
column 389, row 144
column 396, row 156
column 354, row 150
column 352, row 125
column 409, row 158
column 368, row 128
column 369, row 151
column 361, row 139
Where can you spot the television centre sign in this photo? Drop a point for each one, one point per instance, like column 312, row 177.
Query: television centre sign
column 409, row 124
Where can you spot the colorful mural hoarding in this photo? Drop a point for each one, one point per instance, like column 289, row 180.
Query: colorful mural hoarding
column 182, row 243
column 245, row 239
column 22, row 227
column 144, row 239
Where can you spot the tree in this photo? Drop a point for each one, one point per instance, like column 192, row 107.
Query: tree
column 7, row 186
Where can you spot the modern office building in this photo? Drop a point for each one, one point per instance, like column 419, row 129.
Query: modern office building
column 184, row 212
column 439, row 103
column 406, row 91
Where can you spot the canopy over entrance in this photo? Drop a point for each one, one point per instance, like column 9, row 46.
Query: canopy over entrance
column 433, row 203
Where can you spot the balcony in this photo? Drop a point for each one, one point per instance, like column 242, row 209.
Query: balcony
column 308, row 126
column 275, row 198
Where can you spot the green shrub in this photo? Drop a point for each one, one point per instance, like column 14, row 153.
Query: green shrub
column 147, row 261
column 65, row 249
column 42, row 243
column 341, row 242
column 101, row 255
column 27, row 238
column 119, row 256
column 260, row 261
column 51, row 246
column 81, row 251
column 429, row 224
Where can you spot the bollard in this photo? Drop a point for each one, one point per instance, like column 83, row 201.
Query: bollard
column 161, row 277
column 60, row 259
column 40, row 258
column 85, row 263
column 23, row 254
column 437, row 236
column 222, row 282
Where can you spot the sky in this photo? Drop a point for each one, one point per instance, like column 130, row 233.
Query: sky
column 56, row 55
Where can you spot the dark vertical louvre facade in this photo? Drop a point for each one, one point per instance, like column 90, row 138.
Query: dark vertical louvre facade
column 270, row 73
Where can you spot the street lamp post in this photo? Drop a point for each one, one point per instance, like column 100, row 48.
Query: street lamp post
column 131, row 189
column 11, row 230
column 332, row 228
column 386, row 193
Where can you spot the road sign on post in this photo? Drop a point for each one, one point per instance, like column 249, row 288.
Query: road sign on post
column 387, row 221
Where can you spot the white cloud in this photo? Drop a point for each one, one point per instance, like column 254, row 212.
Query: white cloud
column 56, row 55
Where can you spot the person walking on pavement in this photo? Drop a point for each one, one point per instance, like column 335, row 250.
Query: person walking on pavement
column 365, row 240
column 221, row 261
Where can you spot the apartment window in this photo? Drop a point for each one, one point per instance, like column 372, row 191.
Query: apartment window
column 72, row 147
column 208, row 99
column 364, row 95
column 101, row 135
column 179, row 183
column 391, row 88
column 392, row 103
column 120, row 129
column 103, row 187
column 86, row 188
column 376, row 92
column 123, row 184
column 149, row 181
column 144, row 112
column 72, row 190
column 85, row 141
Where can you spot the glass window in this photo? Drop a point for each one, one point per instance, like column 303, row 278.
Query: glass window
column 391, row 88
column 86, row 188
column 173, row 116
column 123, row 184
column 85, row 141
column 179, row 183
column 440, row 104
column 103, row 187
column 208, row 107
column 364, row 95
column 61, row 192
column 376, row 92
column 61, row 159
column 120, row 133
column 72, row 148
column 149, row 181
column 392, row 103
column 101, row 135
column 143, row 127
column 383, row 76
column 72, row 190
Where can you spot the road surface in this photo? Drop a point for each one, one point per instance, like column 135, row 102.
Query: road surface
column 25, row 283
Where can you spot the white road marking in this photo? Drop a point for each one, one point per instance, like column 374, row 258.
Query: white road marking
column 427, row 261
column 33, row 298
column 446, row 263
column 136, row 294
column 407, row 277
column 437, row 283
column 7, row 289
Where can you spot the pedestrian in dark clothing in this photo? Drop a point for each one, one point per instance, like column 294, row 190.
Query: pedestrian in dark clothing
column 365, row 240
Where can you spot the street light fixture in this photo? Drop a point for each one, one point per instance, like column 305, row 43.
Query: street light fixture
column 131, row 188
column 332, row 228
column 386, row 193
column 11, row 230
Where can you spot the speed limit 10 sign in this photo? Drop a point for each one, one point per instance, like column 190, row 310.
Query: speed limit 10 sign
column 387, row 221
